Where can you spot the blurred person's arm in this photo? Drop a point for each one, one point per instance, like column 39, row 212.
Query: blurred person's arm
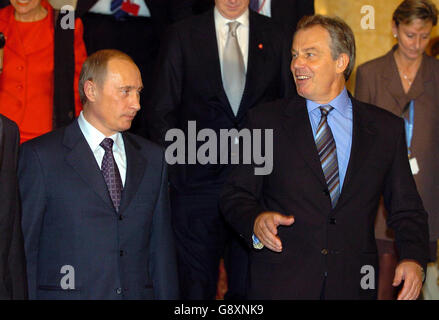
column 80, row 56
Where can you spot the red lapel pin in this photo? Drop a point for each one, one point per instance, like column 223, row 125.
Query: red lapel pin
column 260, row 46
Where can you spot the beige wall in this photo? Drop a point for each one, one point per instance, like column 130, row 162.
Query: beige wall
column 370, row 43
column 59, row 3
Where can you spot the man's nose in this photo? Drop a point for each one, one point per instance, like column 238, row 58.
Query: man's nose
column 296, row 62
column 135, row 101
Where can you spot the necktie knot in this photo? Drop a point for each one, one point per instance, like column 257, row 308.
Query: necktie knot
column 107, row 144
column 232, row 27
column 325, row 110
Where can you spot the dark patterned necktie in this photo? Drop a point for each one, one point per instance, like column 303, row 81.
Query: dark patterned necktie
column 328, row 155
column 111, row 173
column 254, row 5
column 117, row 11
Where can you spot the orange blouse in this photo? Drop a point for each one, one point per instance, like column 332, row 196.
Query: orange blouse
column 26, row 84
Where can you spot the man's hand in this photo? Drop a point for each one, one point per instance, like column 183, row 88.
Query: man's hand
column 411, row 272
column 265, row 228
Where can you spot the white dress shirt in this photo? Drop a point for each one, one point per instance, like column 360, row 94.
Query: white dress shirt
column 266, row 7
column 104, row 7
column 94, row 137
column 222, row 30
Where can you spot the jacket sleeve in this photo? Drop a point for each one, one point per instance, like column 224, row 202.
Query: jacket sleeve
column 406, row 214
column 80, row 56
column 167, row 89
column 16, row 257
column 240, row 200
column 162, row 256
column 33, row 201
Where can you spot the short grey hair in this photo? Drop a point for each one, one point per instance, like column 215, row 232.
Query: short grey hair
column 342, row 37
column 95, row 68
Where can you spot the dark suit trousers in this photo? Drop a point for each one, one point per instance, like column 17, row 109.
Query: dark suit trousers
column 202, row 238
column 135, row 36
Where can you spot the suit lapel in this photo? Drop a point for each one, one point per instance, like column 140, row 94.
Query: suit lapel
column 423, row 76
column 82, row 160
column 394, row 86
column 363, row 132
column 299, row 129
column 136, row 165
column 206, row 44
column 255, row 63
column 391, row 77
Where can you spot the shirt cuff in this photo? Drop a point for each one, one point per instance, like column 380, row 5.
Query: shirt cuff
column 256, row 243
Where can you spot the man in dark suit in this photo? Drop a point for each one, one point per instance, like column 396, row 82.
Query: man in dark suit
column 12, row 262
column 134, row 27
column 311, row 221
column 284, row 12
column 212, row 69
column 96, row 217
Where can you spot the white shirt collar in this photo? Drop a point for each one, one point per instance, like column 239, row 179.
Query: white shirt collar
column 94, row 137
column 222, row 21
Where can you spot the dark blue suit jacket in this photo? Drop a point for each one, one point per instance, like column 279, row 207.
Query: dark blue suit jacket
column 69, row 220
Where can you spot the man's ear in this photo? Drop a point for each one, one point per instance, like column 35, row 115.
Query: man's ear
column 90, row 90
column 342, row 63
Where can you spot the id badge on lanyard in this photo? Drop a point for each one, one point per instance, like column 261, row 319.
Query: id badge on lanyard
column 409, row 124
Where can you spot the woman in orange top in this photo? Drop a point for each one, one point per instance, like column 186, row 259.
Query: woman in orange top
column 39, row 82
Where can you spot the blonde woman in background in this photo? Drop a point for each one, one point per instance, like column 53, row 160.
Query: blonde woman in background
column 405, row 82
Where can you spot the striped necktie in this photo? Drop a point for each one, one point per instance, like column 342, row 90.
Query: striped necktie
column 328, row 155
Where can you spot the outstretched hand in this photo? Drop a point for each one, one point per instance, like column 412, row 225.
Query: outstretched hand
column 265, row 228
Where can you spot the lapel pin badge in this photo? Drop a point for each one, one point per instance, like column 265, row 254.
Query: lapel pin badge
column 260, row 46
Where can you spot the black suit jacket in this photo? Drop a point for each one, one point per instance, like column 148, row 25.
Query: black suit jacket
column 189, row 86
column 339, row 241
column 289, row 12
column 285, row 12
column 69, row 220
column 12, row 262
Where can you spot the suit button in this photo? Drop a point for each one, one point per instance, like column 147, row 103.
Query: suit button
column 121, row 217
column 121, row 253
column 332, row 221
column 324, row 252
column 119, row 291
